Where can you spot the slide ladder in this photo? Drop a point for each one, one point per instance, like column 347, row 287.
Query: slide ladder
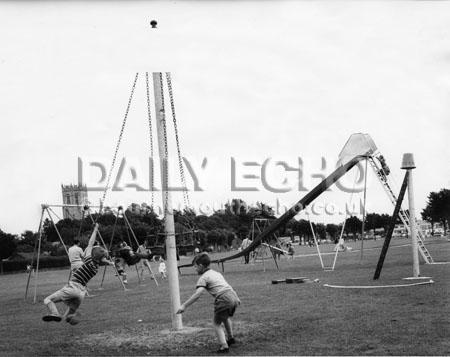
column 382, row 173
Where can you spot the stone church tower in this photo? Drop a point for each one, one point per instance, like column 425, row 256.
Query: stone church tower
column 74, row 195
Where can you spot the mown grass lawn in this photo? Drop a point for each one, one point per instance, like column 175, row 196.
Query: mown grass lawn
column 281, row 319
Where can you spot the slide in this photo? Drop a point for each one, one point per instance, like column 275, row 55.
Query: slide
column 358, row 143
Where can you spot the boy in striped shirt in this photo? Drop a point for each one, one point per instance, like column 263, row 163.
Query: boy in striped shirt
column 74, row 292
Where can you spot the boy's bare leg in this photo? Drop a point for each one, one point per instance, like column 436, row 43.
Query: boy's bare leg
column 229, row 328
column 70, row 316
column 220, row 333
column 51, row 306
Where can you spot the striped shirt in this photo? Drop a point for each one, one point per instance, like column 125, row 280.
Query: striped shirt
column 86, row 272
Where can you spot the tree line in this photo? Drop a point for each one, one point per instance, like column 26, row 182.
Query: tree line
column 221, row 230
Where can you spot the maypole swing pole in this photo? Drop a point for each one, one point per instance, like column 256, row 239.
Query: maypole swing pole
column 408, row 164
column 169, row 223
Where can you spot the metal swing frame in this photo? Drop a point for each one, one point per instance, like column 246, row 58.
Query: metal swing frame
column 47, row 209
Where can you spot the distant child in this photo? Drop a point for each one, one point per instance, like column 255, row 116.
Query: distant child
column 119, row 262
column 145, row 262
column 125, row 255
column 245, row 243
column 74, row 292
column 75, row 256
column 162, row 268
column 340, row 246
column 225, row 299
column 290, row 251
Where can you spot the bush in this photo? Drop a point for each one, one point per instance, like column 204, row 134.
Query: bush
column 44, row 262
column 185, row 249
column 7, row 245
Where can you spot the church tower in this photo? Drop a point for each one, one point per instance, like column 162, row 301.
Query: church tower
column 74, row 195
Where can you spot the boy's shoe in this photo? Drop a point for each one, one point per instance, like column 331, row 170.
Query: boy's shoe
column 48, row 318
column 72, row 320
column 223, row 350
column 231, row 341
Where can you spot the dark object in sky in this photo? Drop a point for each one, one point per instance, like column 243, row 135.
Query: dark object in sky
column 153, row 23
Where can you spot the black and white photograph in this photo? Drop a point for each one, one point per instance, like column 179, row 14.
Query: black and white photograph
column 249, row 178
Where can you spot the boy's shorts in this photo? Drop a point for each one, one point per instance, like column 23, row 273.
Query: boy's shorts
column 225, row 305
column 71, row 294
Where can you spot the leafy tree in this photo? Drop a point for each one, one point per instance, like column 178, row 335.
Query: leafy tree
column 427, row 215
column 375, row 220
column 7, row 247
column 320, row 230
column 27, row 241
column 216, row 237
column 333, row 230
column 438, row 208
column 7, row 244
column 237, row 206
column 353, row 225
column 28, row 238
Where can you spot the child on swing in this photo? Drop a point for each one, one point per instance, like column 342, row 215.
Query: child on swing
column 225, row 299
column 74, row 292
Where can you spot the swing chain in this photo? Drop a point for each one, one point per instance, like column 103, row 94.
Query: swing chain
column 166, row 152
column 151, row 140
column 180, row 161
column 118, row 143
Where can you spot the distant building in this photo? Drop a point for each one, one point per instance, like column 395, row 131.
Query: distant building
column 401, row 231
column 74, row 195
column 425, row 227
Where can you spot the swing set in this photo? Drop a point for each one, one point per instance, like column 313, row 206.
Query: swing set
column 47, row 209
column 340, row 240
column 266, row 248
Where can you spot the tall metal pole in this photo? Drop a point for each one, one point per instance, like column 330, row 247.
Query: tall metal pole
column 364, row 212
column 34, row 253
column 44, row 208
column 408, row 164
column 171, row 250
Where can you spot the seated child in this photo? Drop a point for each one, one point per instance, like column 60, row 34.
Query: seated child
column 225, row 299
column 74, row 292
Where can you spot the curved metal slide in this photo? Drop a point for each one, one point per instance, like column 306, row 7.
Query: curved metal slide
column 294, row 210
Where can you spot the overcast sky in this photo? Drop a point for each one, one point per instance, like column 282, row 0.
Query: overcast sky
column 252, row 81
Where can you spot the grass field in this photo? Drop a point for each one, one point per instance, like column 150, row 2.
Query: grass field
column 281, row 319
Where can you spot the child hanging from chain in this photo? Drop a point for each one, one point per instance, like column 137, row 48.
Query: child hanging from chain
column 125, row 255
column 74, row 292
column 144, row 248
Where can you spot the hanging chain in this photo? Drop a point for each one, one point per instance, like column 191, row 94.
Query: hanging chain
column 118, row 143
column 180, row 161
column 166, row 152
column 151, row 141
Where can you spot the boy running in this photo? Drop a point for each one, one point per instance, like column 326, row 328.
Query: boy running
column 225, row 299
